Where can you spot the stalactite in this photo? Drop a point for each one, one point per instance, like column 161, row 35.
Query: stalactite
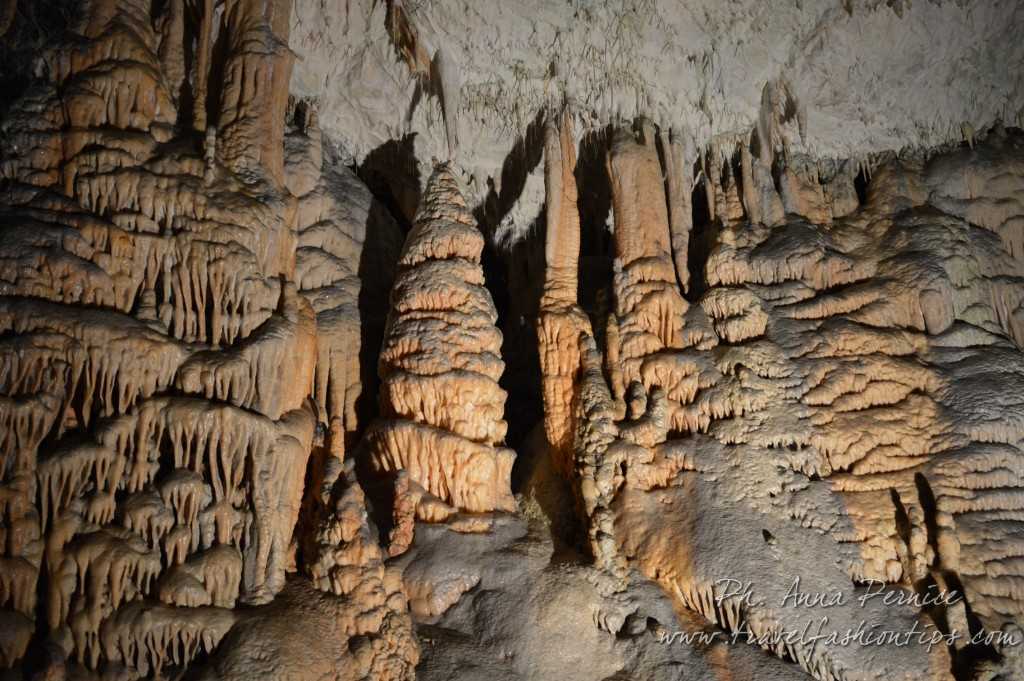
column 193, row 280
column 150, row 637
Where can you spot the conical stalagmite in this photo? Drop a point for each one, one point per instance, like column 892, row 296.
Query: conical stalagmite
column 253, row 410
column 442, row 409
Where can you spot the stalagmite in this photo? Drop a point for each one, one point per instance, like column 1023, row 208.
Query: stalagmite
column 440, row 363
column 725, row 345
column 561, row 321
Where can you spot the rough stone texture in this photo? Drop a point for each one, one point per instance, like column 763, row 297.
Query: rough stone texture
column 865, row 76
column 441, row 405
column 496, row 606
column 844, row 416
column 164, row 329
column 251, row 429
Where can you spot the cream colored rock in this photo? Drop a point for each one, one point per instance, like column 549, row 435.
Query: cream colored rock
column 440, row 364
column 160, row 340
column 845, row 417
column 194, row 287
column 560, row 322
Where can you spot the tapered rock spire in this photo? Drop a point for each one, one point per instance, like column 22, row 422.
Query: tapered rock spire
column 560, row 322
column 441, row 404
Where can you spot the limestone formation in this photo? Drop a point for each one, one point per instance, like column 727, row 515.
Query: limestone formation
column 828, row 421
column 161, row 345
column 741, row 398
column 835, row 414
column 561, row 322
column 441, row 406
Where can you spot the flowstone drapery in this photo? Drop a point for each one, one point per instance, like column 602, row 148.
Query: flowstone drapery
column 259, row 420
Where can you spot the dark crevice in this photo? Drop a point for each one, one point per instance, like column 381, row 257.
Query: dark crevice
column 379, row 492
column 392, row 174
column 525, row 156
column 778, row 166
column 860, row 185
column 902, row 519
column 736, row 169
column 377, row 269
column 312, row 507
column 157, row 9
column 595, row 193
column 926, row 498
column 966, row 659
column 514, row 276
column 186, row 94
column 36, row 25
column 595, row 208
column 702, row 239
column 514, row 270
column 219, row 52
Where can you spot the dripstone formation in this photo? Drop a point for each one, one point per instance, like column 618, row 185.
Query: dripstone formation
column 441, row 405
column 259, row 421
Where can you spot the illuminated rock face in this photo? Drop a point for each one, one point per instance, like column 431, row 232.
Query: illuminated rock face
column 442, row 408
column 765, row 386
column 181, row 304
column 856, row 399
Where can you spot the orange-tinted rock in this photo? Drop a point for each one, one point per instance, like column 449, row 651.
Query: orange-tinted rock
column 440, row 363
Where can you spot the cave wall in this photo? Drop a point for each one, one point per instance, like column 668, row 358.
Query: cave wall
column 276, row 404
